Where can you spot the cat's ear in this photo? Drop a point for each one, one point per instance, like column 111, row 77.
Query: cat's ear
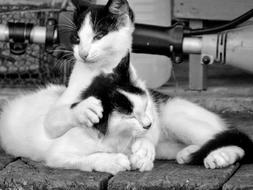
column 118, row 7
column 81, row 4
column 122, row 69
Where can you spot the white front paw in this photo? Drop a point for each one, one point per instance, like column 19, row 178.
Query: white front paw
column 89, row 111
column 223, row 157
column 143, row 155
column 113, row 164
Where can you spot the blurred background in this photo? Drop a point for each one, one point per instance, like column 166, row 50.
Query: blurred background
column 190, row 79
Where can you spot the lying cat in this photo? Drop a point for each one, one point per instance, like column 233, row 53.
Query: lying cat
column 70, row 128
column 105, row 148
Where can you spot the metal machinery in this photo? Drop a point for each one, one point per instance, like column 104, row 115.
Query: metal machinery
column 224, row 44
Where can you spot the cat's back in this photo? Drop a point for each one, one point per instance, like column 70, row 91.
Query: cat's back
column 22, row 117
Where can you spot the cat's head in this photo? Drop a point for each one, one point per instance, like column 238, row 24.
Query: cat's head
column 131, row 113
column 126, row 104
column 134, row 119
column 103, row 33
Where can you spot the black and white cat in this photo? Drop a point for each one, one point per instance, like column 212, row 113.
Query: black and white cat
column 106, row 119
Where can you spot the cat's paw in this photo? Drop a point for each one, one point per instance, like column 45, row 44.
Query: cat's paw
column 223, row 157
column 113, row 164
column 89, row 111
column 143, row 155
column 184, row 156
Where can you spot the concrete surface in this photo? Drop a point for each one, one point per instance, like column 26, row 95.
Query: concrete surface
column 241, row 180
column 26, row 174
column 170, row 175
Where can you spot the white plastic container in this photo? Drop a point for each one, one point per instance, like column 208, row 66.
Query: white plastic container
column 155, row 70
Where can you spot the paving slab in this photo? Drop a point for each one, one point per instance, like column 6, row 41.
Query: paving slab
column 5, row 159
column 26, row 174
column 242, row 180
column 170, row 175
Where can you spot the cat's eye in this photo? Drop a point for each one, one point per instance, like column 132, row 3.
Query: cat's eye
column 130, row 116
column 98, row 36
column 75, row 39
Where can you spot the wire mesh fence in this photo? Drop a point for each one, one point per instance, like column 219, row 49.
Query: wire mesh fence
column 34, row 68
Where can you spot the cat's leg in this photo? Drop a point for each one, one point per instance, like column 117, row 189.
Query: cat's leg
column 184, row 155
column 143, row 149
column 143, row 155
column 189, row 138
column 101, row 162
column 189, row 124
column 218, row 158
column 61, row 119
column 223, row 157
column 168, row 150
column 80, row 149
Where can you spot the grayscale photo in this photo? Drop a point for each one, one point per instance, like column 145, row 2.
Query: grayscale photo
column 126, row 94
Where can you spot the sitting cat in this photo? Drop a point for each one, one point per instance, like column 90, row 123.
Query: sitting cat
column 55, row 124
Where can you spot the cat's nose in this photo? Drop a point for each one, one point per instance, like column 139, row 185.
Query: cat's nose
column 83, row 54
column 147, row 126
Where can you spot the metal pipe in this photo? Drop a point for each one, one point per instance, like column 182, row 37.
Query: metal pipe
column 38, row 35
column 238, row 48
column 4, row 31
column 192, row 45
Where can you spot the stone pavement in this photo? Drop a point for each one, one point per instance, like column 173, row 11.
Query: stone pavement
column 21, row 173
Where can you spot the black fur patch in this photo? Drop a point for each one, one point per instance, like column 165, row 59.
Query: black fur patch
column 106, row 88
column 159, row 97
column 231, row 137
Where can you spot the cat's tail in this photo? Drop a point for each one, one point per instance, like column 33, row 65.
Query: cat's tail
column 232, row 137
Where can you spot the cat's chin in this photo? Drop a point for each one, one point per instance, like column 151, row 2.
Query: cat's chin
column 87, row 61
column 90, row 61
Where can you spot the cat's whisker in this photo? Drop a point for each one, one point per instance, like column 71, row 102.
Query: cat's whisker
column 68, row 20
column 66, row 30
column 64, row 58
column 64, row 27
column 67, row 56
column 63, row 50
column 69, row 64
column 62, row 53
column 67, row 25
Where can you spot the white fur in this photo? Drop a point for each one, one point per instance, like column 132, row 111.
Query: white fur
column 109, row 51
column 23, row 134
column 185, row 124
column 223, row 157
column 42, row 127
column 103, row 56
